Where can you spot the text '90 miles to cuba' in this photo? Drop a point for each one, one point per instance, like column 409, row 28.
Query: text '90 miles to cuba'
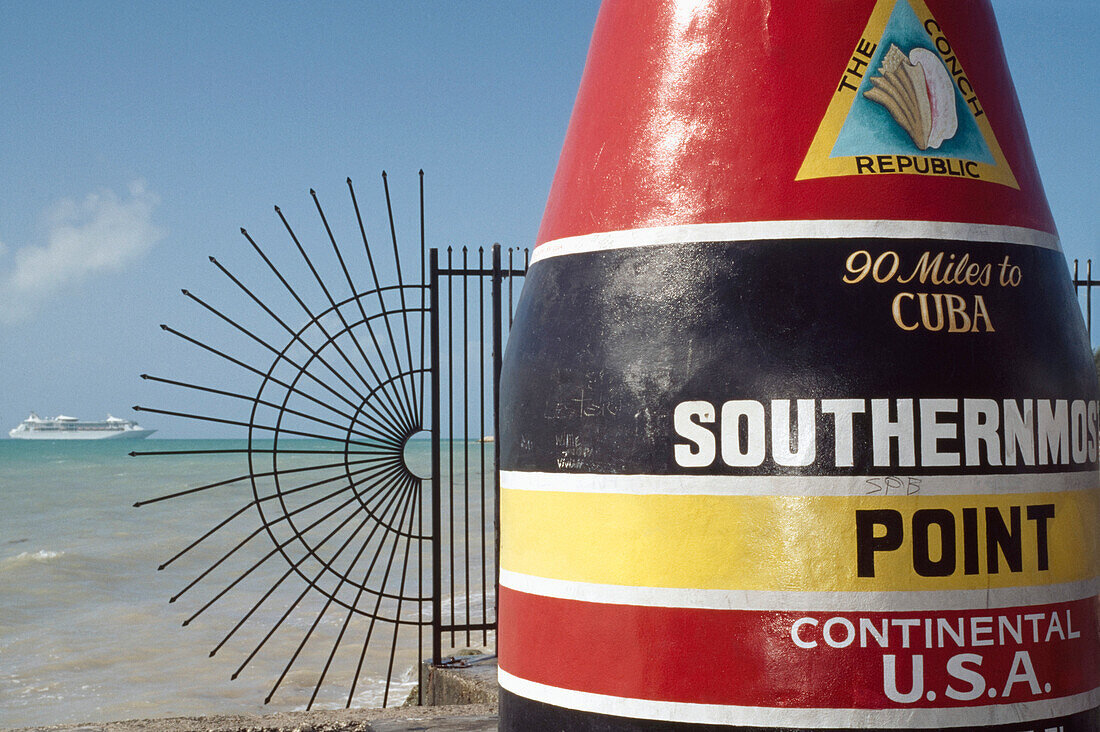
column 920, row 309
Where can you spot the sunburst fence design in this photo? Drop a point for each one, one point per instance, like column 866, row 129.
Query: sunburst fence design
column 332, row 549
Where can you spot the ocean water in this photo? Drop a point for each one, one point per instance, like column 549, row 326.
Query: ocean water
column 86, row 630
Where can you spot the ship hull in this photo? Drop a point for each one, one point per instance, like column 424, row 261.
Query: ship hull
column 80, row 435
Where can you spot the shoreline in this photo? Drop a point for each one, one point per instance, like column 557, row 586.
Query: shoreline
column 460, row 696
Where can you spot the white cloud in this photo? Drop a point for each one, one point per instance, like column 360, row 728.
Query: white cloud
column 102, row 233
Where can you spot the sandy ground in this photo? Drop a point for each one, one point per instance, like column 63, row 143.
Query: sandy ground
column 469, row 718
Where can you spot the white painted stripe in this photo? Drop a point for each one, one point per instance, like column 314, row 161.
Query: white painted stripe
column 966, row 717
column 808, row 229
column 794, row 485
column 784, row 601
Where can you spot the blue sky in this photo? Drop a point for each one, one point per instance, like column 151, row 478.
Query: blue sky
column 137, row 138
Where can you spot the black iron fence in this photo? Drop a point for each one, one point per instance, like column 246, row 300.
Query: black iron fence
column 471, row 303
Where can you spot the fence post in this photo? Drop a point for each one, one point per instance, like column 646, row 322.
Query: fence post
column 497, row 356
column 1088, row 283
column 437, row 520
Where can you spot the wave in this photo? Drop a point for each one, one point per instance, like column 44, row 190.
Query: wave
column 42, row 555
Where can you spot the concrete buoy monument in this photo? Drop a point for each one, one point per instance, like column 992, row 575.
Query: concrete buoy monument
column 799, row 418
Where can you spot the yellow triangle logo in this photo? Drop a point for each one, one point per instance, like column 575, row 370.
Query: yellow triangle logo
column 904, row 106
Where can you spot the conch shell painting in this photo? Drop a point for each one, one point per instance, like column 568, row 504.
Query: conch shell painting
column 918, row 93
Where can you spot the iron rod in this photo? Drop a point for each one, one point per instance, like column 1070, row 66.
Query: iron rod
column 497, row 347
column 309, row 585
column 250, row 504
column 423, row 274
column 451, row 436
column 281, row 355
column 266, row 526
column 294, row 567
column 466, row 436
column 380, row 438
column 403, row 417
column 238, row 423
column 374, row 615
column 437, row 487
column 358, row 302
column 400, row 275
column 481, row 429
column 397, row 612
column 410, row 501
column 374, row 275
column 510, row 281
column 474, row 626
column 313, row 319
column 354, row 604
column 235, row 451
column 420, row 484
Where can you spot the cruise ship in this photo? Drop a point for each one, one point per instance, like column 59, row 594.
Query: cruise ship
column 71, row 428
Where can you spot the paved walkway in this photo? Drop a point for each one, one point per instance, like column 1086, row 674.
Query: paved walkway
column 451, row 724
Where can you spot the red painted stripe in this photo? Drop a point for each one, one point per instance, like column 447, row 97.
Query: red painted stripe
column 707, row 119
column 748, row 658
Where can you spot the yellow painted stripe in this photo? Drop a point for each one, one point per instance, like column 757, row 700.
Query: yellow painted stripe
column 788, row 543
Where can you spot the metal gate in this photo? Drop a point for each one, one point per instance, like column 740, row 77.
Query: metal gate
column 465, row 545
column 342, row 551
